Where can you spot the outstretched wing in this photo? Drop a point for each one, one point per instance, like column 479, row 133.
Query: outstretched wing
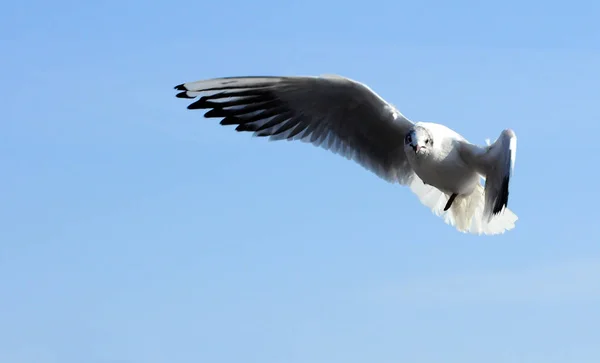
column 332, row 112
column 496, row 163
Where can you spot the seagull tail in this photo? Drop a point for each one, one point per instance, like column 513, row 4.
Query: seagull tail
column 467, row 213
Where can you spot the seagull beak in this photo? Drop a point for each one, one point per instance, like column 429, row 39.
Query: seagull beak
column 416, row 148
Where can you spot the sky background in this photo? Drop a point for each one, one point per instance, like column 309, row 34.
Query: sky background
column 134, row 231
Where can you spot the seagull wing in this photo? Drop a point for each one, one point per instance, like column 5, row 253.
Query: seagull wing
column 331, row 112
column 495, row 163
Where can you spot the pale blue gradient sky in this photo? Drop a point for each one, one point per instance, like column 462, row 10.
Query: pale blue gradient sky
column 135, row 231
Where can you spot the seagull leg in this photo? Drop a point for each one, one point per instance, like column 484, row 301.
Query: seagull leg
column 450, row 200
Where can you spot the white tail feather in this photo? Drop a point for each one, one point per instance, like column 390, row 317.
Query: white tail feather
column 467, row 212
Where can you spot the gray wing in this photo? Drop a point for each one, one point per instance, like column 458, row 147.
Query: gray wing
column 332, row 112
column 496, row 164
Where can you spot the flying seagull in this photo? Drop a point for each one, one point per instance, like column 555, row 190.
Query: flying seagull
column 345, row 116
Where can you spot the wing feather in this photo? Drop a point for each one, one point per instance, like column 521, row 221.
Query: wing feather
column 332, row 112
column 495, row 162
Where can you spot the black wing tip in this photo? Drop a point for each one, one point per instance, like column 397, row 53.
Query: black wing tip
column 200, row 104
column 230, row 121
column 502, row 200
column 180, row 87
column 183, row 95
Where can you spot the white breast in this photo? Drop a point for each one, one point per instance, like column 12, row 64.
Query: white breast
column 444, row 169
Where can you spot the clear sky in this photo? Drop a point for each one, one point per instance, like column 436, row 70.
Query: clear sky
column 135, row 231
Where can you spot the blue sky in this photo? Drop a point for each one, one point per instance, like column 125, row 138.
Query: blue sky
column 134, row 230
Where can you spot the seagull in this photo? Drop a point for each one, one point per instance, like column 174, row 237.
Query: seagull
column 463, row 183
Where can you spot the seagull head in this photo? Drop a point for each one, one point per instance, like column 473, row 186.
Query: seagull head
column 419, row 140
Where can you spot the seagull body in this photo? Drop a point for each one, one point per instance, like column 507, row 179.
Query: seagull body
column 440, row 166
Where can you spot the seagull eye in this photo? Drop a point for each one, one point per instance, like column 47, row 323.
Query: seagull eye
column 427, row 141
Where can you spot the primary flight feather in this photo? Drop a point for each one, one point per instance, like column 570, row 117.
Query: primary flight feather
column 345, row 116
